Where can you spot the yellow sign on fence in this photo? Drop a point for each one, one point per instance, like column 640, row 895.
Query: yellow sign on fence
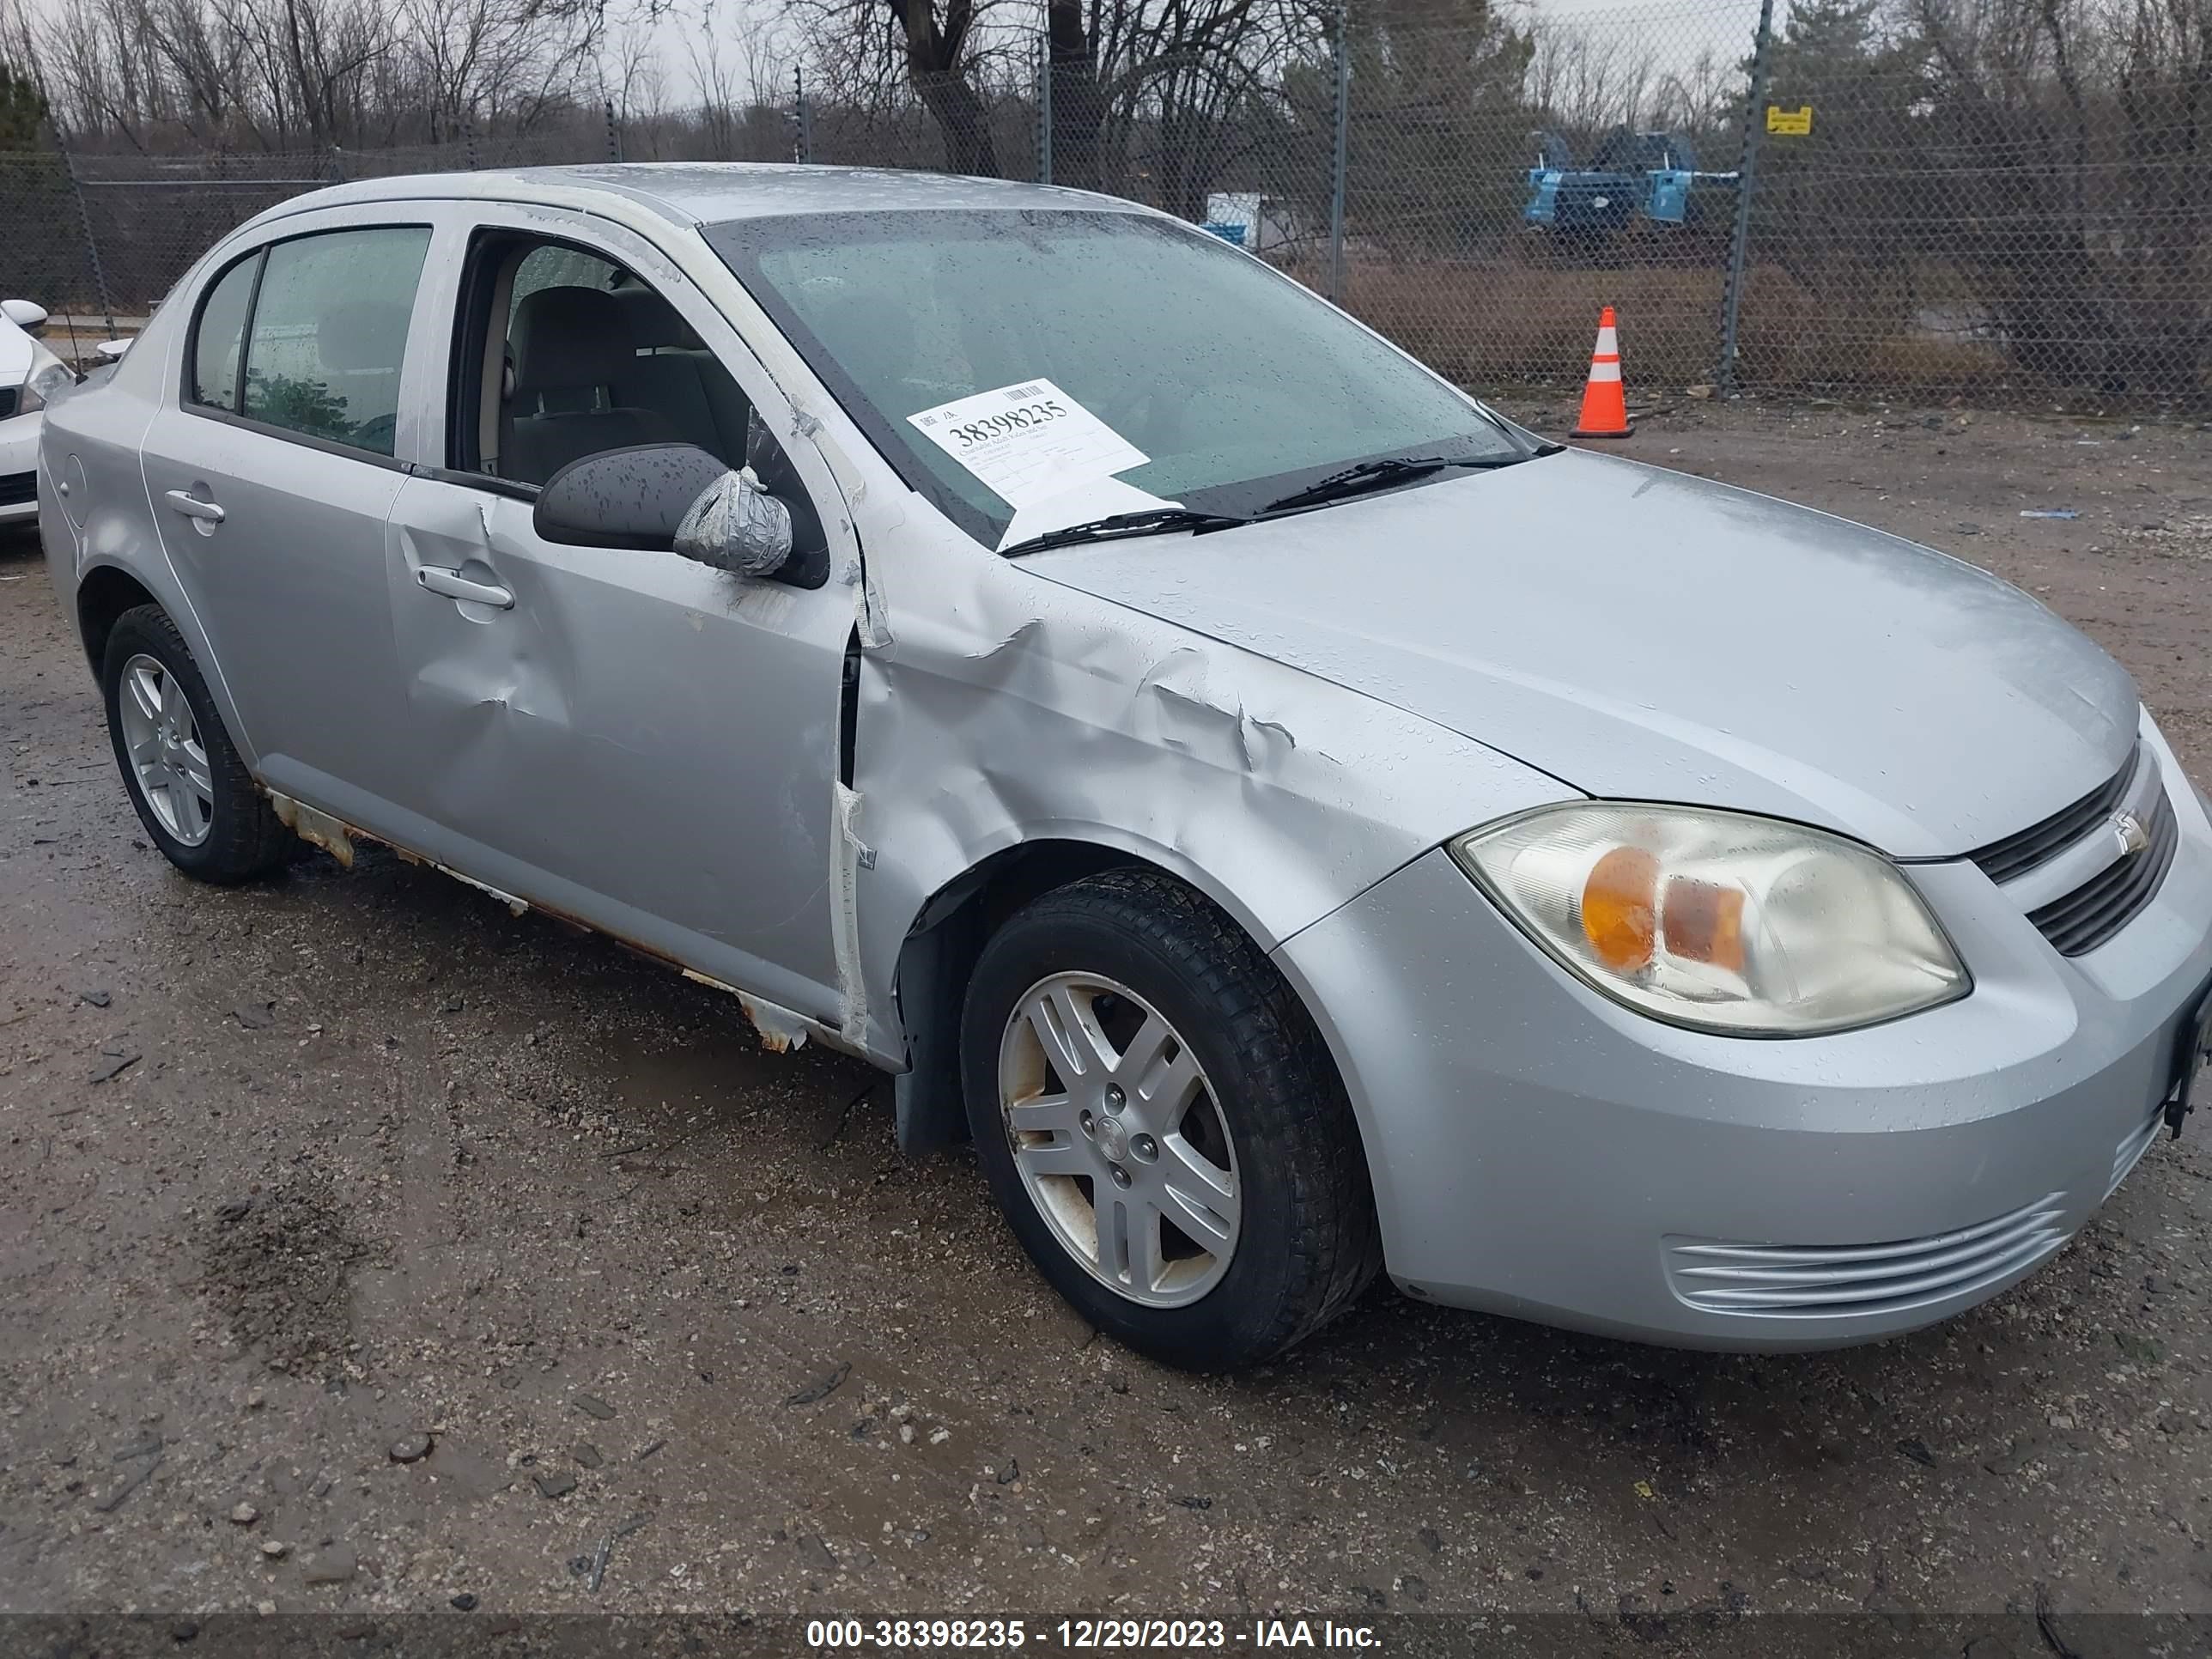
column 1790, row 122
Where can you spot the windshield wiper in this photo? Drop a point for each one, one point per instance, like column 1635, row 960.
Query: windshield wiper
column 1146, row 521
column 1377, row 475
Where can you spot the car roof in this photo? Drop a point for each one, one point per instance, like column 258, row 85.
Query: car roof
column 712, row 192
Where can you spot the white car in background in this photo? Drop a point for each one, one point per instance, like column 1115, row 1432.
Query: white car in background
column 27, row 373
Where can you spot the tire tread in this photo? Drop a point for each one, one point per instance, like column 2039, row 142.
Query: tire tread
column 244, row 842
column 1336, row 1251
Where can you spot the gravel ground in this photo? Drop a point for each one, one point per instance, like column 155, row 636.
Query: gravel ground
column 366, row 1250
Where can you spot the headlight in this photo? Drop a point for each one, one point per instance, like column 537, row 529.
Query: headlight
column 1717, row 920
column 43, row 385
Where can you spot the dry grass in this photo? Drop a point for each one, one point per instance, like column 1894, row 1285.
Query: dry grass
column 1513, row 322
column 1486, row 324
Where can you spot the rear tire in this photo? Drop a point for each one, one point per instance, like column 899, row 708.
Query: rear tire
column 185, row 779
column 1211, row 1234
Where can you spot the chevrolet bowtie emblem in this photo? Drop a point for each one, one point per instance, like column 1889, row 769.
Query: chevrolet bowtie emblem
column 2130, row 831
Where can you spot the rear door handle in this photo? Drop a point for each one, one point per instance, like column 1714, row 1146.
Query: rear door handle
column 193, row 507
column 455, row 586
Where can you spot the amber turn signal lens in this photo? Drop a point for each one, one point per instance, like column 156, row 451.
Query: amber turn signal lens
column 1620, row 908
column 1704, row 923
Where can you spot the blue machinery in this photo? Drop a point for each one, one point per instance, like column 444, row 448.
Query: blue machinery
column 1650, row 177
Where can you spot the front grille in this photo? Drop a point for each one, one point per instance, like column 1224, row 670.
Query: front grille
column 2015, row 855
column 11, row 398
column 1822, row 1281
column 2080, row 920
column 2129, row 1151
column 16, row 487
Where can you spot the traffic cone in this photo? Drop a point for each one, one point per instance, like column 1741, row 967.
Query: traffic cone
column 1605, row 404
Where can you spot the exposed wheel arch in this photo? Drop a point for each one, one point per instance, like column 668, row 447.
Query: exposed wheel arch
column 104, row 595
column 937, row 958
column 940, row 954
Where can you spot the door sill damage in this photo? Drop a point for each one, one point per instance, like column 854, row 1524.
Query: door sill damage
column 781, row 1032
column 515, row 907
column 316, row 829
column 781, row 1029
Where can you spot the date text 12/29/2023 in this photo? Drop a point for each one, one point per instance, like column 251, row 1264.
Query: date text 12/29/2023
column 1085, row 1635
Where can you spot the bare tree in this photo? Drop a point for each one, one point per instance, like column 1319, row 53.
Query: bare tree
column 1704, row 100
column 475, row 64
column 277, row 75
column 1179, row 71
column 1585, row 82
column 938, row 52
column 739, row 80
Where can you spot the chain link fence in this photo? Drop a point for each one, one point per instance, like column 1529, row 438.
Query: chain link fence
column 1962, row 201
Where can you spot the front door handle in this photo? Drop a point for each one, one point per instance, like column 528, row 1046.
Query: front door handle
column 455, row 586
column 193, row 507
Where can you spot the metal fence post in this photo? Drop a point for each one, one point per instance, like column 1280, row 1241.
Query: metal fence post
column 614, row 134
column 802, row 123
column 1339, row 160
column 91, row 241
column 1747, row 171
column 1044, row 106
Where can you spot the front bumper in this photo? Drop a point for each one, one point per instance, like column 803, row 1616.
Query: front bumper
column 19, row 468
column 1539, row 1151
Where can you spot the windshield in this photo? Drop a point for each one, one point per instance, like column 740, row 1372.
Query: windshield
column 1126, row 359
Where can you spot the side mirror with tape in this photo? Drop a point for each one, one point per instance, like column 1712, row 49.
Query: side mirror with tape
column 675, row 498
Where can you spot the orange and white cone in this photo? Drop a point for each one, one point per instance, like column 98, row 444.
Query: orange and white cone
column 1605, row 401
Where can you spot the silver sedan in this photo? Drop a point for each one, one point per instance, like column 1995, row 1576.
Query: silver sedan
column 1298, row 822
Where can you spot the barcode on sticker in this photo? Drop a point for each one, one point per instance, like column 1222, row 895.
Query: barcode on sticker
column 1015, row 394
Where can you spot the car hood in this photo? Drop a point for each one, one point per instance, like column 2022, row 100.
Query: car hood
column 1645, row 635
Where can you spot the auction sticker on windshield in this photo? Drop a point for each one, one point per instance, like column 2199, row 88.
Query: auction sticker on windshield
column 1030, row 442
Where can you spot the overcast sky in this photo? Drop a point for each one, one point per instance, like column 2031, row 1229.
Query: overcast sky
column 1680, row 28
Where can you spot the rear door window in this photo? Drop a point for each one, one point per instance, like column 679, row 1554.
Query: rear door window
column 324, row 323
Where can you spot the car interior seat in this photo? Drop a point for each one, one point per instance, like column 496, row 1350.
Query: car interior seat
column 673, row 373
column 572, row 346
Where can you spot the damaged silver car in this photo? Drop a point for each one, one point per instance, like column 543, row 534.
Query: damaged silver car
column 1301, row 824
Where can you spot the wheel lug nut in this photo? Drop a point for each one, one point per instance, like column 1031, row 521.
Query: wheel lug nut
column 1146, row 1147
column 1089, row 1126
column 1121, row 1176
column 1114, row 1099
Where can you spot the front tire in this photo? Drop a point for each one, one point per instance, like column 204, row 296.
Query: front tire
column 185, row 779
column 1162, row 1125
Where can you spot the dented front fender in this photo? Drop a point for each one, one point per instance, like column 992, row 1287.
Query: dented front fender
column 1005, row 707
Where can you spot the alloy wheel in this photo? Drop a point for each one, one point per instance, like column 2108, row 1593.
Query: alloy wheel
column 1119, row 1139
column 167, row 756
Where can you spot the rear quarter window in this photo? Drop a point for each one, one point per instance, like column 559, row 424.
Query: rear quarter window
column 310, row 335
column 219, row 337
